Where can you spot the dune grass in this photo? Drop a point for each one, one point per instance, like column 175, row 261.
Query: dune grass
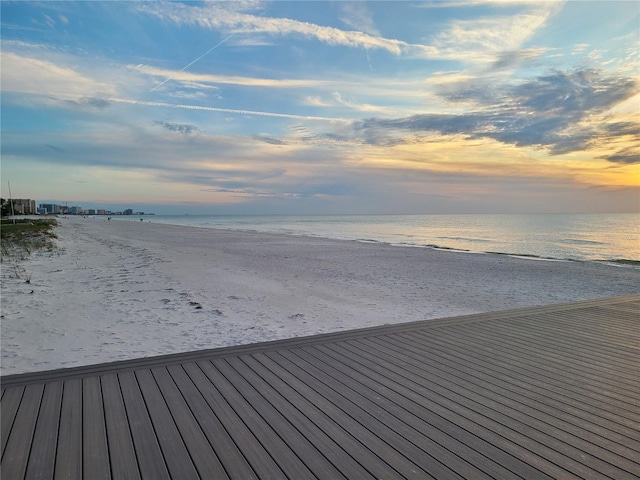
column 19, row 240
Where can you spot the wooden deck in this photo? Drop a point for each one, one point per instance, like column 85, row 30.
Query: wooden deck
column 549, row 392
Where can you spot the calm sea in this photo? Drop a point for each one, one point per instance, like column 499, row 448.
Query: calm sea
column 594, row 237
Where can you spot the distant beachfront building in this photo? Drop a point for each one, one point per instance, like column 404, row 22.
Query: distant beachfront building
column 24, row 206
column 128, row 211
column 102, row 211
column 50, row 208
column 91, row 211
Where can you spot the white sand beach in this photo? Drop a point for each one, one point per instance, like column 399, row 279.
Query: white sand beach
column 125, row 289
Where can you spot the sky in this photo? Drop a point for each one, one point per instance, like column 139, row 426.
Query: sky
column 322, row 107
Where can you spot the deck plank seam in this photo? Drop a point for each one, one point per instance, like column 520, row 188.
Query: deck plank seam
column 113, row 381
column 204, row 468
column 494, row 402
column 342, row 402
column 221, row 407
column 464, row 378
column 195, row 415
column 486, row 434
column 539, row 437
column 598, row 339
column 373, row 395
column 304, row 384
column 553, row 373
column 508, row 371
column 278, row 414
column 302, row 388
column 19, row 466
column 471, row 370
column 288, row 406
column 262, row 407
column 145, row 423
column 259, row 432
column 562, row 353
column 565, row 323
column 12, row 415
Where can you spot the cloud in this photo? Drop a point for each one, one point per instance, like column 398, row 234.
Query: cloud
column 579, row 48
column 510, row 59
column 23, row 74
column 195, row 79
column 179, row 127
column 131, row 148
column 271, row 140
column 49, row 21
column 54, row 148
column 475, row 3
column 356, row 15
column 578, row 93
column 393, row 88
column 93, row 102
column 628, row 156
column 232, row 21
column 337, row 100
column 482, row 39
column 552, row 111
column 478, row 40
column 247, row 167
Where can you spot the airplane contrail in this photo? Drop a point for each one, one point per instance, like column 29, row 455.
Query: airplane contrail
column 201, row 56
column 187, row 66
column 226, row 110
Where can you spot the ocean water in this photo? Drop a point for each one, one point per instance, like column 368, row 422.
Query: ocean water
column 582, row 237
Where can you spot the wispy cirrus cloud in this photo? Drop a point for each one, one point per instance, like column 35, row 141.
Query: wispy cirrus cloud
column 482, row 39
column 336, row 99
column 191, row 78
column 356, row 15
column 475, row 3
column 232, row 21
column 33, row 75
column 473, row 40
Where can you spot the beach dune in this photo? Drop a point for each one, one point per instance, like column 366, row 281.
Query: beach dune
column 123, row 289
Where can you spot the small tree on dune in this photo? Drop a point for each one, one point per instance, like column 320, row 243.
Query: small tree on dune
column 5, row 207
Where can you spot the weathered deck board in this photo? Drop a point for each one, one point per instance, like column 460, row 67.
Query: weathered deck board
column 45, row 439
column 69, row 453
column 15, row 456
column 495, row 406
column 150, row 458
column 494, row 354
column 118, row 433
column 488, row 380
column 544, row 392
column 95, row 458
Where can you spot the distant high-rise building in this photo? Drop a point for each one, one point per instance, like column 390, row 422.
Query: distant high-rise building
column 51, row 207
column 24, row 206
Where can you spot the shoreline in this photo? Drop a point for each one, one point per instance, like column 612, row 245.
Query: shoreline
column 559, row 242
column 121, row 290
